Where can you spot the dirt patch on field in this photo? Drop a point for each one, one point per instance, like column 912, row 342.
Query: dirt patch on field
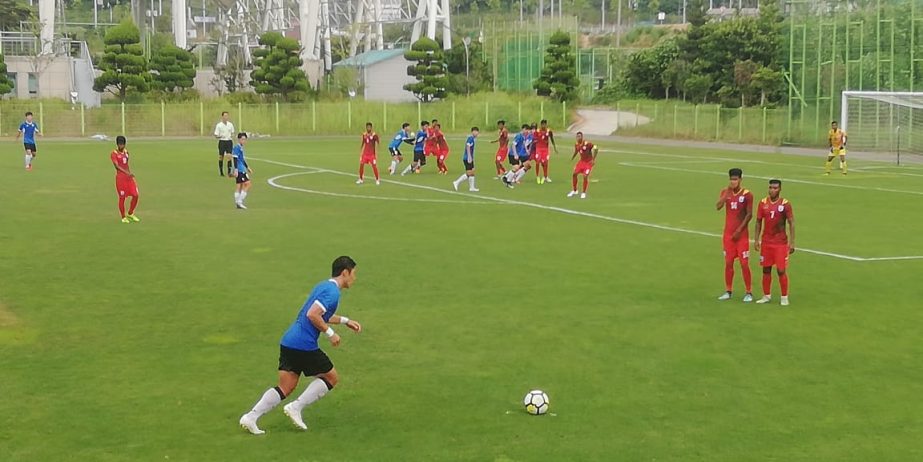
column 604, row 123
column 7, row 318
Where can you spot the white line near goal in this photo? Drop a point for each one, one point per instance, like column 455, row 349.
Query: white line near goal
column 573, row 212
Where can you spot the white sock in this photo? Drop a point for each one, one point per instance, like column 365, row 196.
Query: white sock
column 271, row 398
column 236, row 197
column 315, row 391
column 394, row 165
column 521, row 173
column 28, row 160
column 461, row 178
column 471, row 182
column 243, row 195
column 408, row 169
column 510, row 175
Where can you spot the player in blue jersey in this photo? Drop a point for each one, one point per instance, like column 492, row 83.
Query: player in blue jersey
column 403, row 136
column 519, row 158
column 299, row 352
column 419, row 150
column 241, row 171
column 468, row 160
column 28, row 129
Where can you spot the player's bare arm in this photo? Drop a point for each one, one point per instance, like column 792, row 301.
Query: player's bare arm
column 123, row 170
column 722, row 198
column 350, row 323
column 315, row 315
column 791, row 234
column 759, row 227
column 551, row 138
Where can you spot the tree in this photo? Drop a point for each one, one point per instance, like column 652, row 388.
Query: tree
column 675, row 75
column 6, row 85
column 559, row 76
column 479, row 76
column 768, row 82
column 698, row 86
column 123, row 64
column 277, row 68
column 429, row 70
column 12, row 13
column 743, row 79
column 173, row 69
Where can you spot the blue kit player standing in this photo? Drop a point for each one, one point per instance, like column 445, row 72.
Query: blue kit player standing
column 299, row 352
column 468, row 160
column 28, row 129
column 241, row 172
column 403, row 136
column 419, row 150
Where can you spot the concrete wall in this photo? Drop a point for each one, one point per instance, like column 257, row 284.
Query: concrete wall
column 54, row 80
column 384, row 81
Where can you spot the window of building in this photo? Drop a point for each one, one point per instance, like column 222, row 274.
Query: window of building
column 33, row 84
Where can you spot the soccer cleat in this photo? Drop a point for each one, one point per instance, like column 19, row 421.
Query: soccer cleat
column 538, row 180
column 289, row 410
column 390, row 171
column 546, row 180
column 29, row 168
column 473, row 190
column 826, row 173
column 725, row 296
column 133, row 218
column 583, row 195
column 844, row 173
column 241, row 206
column 765, row 299
column 572, row 194
column 249, row 423
column 378, row 182
column 455, row 185
column 748, row 298
column 359, row 181
column 784, row 300
column 125, row 220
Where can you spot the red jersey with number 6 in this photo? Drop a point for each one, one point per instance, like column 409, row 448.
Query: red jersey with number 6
column 774, row 216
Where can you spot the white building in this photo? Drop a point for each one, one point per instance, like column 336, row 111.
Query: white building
column 382, row 75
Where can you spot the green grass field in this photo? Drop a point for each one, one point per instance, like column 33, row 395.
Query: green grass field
column 148, row 341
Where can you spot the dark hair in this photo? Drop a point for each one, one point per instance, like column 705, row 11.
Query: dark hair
column 437, row 125
column 405, row 125
column 342, row 263
column 525, row 126
column 834, row 122
column 735, row 172
column 775, row 182
column 475, row 129
column 28, row 113
column 424, row 124
column 368, row 124
column 543, row 121
column 580, row 133
column 501, row 121
column 120, row 140
column 225, row 112
column 242, row 135
column 435, row 121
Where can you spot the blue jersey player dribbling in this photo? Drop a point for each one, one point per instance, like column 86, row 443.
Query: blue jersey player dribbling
column 403, row 136
column 299, row 352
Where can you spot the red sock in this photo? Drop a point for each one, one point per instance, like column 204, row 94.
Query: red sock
column 783, row 281
column 748, row 277
column 361, row 171
column 767, row 283
column 729, row 275
column 134, row 203
column 122, row 205
column 500, row 169
column 586, row 182
column 575, row 182
column 375, row 169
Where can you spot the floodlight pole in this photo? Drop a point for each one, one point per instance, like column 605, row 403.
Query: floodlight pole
column 467, row 41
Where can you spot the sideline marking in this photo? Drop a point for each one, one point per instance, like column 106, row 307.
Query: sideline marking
column 586, row 214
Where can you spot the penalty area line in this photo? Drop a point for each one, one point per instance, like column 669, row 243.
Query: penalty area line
column 590, row 214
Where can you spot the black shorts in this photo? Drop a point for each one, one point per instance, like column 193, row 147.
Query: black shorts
column 395, row 151
column 515, row 161
column 418, row 156
column 30, row 147
column 242, row 177
column 309, row 363
column 225, row 147
column 468, row 165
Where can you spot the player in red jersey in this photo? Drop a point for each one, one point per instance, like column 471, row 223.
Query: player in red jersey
column 588, row 152
column 442, row 149
column 125, row 184
column 543, row 136
column 503, row 137
column 369, row 156
column 737, row 203
column 775, row 246
column 430, row 146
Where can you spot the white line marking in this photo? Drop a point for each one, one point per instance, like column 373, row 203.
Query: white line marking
column 592, row 215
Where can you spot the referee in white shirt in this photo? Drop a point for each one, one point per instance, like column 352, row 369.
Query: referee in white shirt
column 224, row 131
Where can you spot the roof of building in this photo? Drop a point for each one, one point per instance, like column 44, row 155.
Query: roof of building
column 370, row 57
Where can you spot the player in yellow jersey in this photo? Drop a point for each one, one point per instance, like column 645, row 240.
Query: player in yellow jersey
column 836, row 139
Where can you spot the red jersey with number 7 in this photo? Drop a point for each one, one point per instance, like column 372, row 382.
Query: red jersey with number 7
column 774, row 216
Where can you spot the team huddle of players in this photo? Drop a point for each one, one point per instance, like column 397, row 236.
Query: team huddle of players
column 528, row 149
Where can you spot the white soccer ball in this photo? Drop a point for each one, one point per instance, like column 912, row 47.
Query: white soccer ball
column 536, row 402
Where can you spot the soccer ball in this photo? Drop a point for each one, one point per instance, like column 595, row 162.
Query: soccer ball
column 536, row 402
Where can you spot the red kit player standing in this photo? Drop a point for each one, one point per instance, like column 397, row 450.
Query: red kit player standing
column 503, row 137
column 737, row 203
column 125, row 184
column 588, row 152
column 441, row 148
column 775, row 246
column 369, row 156
column 543, row 136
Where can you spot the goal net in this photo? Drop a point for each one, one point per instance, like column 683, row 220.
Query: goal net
column 885, row 122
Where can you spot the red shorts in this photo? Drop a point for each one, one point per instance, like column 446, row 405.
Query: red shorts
column 368, row 159
column 430, row 151
column 441, row 155
column 126, row 186
column 502, row 153
column 542, row 155
column 774, row 255
column 583, row 168
column 737, row 249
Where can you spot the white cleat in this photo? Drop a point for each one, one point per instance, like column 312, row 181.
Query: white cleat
column 455, row 185
column 474, row 190
column 360, row 181
column 748, row 298
column 378, row 182
column 294, row 415
column 547, row 180
column 583, row 195
column 725, row 296
column 785, row 300
column 765, row 299
column 390, row 171
column 249, row 423
column 572, row 194
column 241, row 206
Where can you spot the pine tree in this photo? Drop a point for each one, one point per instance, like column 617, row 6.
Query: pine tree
column 559, row 76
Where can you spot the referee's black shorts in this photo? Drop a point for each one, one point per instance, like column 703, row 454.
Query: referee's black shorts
column 308, row 363
column 225, row 147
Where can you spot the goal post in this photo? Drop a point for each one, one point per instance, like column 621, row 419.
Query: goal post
column 883, row 121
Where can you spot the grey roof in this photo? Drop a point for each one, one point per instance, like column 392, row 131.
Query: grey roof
column 370, row 57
